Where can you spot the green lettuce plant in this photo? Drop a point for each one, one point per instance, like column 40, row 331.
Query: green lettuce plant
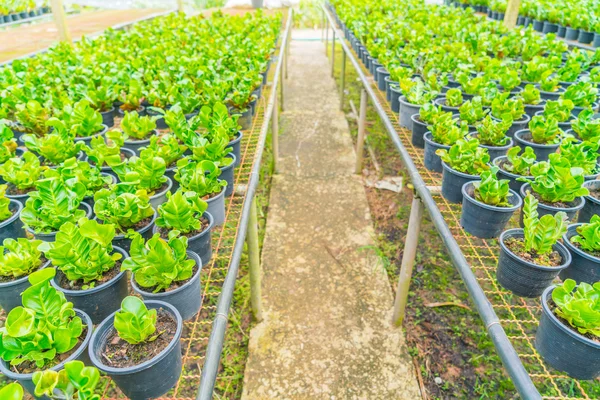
column 52, row 204
column 582, row 94
column 416, row 92
column 503, row 105
column 549, row 82
column 519, row 164
column 44, row 327
column 491, row 190
column 579, row 305
column 166, row 147
column 181, row 212
column 445, row 131
column 570, row 71
column 83, row 251
column 19, row 257
column 588, row 235
column 540, row 234
column 470, row 85
column 122, row 205
column 557, row 181
column 580, row 154
column 472, row 111
column 55, row 147
column 132, row 96
column 72, row 171
column 454, row 97
column 137, row 127
column 586, row 126
column 8, row 147
column 102, row 96
column 531, row 95
column 429, row 113
column 12, row 391
column 105, row 151
column 146, row 170
column 466, row 156
column 544, row 130
column 84, row 120
column 509, row 78
column 493, row 133
column 217, row 119
column 201, row 177
column 32, row 116
column 22, row 172
column 558, row 109
column 216, row 150
column 75, row 381
column 158, row 263
column 134, row 322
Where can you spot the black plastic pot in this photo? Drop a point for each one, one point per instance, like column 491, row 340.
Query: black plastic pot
column 442, row 103
column 88, row 139
column 542, row 151
column 10, row 292
column 147, row 380
column 51, row 237
column 100, row 301
column 549, row 27
column 160, row 197
column 12, row 227
column 482, row 220
column 108, row 117
column 125, row 243
column 388, row 88
column 546, row 209
column 571, row 34
column 495, row 151
column 452, row 183
column 432, row 161
column 81, row 354
column 563, row 348
column 592, row 204
column 141, row 111
column 160, row 121
column 395, row 101
column 382, row 73
column 227, row 174
column 585, row 37
column 406, row 111
column 136, row 145
column 517, row 125
column 216, row 207
column 418, row 131
column 562, row 31
column 532, row 109
column 235, row 145
column 538, row 25
column 526, row 21
column 596, row 42
column 524, row 278
column 551, row 95
column 584, row 266
column 513, row 182
column 186, row 299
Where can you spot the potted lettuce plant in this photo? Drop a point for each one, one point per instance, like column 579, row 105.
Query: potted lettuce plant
column 560, row 110
column 515, row 167
column 492, row 135
column 472, row 111
column 442, row 134
column 543, row 136
column 426, row 116
column 88, row 267
column 168, row 148
column 568, row 335
column 84, row 122
column 586, row 127
column 451, row 101
column 138, row 130
column 104, row 151
column 185, row 213
column 581, row 154
column 18, row 259
column 138, row 347
column 54, row 147
column 216, row 120
column 532, row 100
column 503, row 105
column 583, row 242
column 415, row 94
column 20, row 175
column 530, row 258
column 74, row 381
column 462, row 163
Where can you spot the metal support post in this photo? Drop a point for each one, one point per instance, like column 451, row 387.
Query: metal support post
column 254, row 261
column 512, row 13
column 360, row 142
column 343, row 84
column 326, row 37
column 323, row 27
column 275, row 133
column 333, row 54
column 408, row 260
column 58, row 13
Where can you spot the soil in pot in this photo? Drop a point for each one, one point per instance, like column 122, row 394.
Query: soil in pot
column 117, row 353
column 517, row 246
column 542, row 151
column 64, row 283
column 513, row 182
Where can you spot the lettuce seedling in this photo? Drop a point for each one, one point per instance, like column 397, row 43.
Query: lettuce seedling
column 158, row 263
column 533, row 70
column 22, row 172
column 582, row 94
column 519, row 164
column 579, row 305
column 544, row 130
column 586, row 126
column 8, row 148
column 103, row 96
column 82, row 251
column 19, row 257
column 201, row 177
column 454, row 97
column 136, row 127
column 134, row 322
column 445, row 131
column 472, row 111
column 558, row 109
column 531, row 95
column 182, row 212
column 33, row 117
column 549, row 82
column 44, row 327
column 540, row 234
column 166, row 147
column 217, row 119
column 588, row 236
column 469, row 85
column 105, row 151
column 146, row 170
column 56, row 146
column 580, row 154
column 570, row 71
column 504, row 105
column 75, row 381
column 84, row 121
column 466, row 156
column 429, row 113
column 5, row 212
column 416, row 92
column 12, row 391
column 557, row 181
column 52, row 204
column 508, row 78
column 215, row 150
column 132, row 97
column 72, row 171
column 122, row 205
column 493, row 133
column 491, row 190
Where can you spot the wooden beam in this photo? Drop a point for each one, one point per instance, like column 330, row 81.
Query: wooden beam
column 512, row 13
column 58, row 13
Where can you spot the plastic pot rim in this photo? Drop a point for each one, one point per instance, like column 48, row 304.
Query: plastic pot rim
column 556, row 247
column 18, row 281
column 485, row 146
column 211, row 224
column 162, row 193
column 458, row 173
column 588, row 197
column 16, row 214
column 428, row 137
column 533, row 144
column 480, row 204
column 99, row 133
column 221, row 194
column 141, row 230
column 231, row 165
column 571, row 231
column 496, row 161
column 581, row 200
column 153, row 132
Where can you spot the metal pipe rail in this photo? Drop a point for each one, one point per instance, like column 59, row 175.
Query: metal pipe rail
column 504, row 348
column 217, row 336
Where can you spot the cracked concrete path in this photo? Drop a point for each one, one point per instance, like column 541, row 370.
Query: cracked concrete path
column 326, row 332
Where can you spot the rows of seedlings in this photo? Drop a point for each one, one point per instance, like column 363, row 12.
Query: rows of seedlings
column 494, row 113
column 571, row 20
column 117, row 156
column 21, row 10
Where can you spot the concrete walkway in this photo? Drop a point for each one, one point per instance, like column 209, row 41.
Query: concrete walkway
column 326, row 332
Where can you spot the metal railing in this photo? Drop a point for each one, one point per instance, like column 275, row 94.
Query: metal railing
column 475, row 259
